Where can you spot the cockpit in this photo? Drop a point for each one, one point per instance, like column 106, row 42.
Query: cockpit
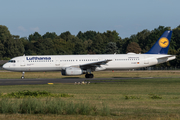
column 12, row 61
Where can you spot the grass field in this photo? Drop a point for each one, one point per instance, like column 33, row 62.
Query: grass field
column 157, row 98
column 101, row 74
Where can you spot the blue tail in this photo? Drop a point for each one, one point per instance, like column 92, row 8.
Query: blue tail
column 162, row 45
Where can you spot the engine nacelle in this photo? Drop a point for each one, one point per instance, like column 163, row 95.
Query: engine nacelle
column 100, row 68
column 72, row 71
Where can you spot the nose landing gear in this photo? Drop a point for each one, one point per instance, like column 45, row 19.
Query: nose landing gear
column 22, row 77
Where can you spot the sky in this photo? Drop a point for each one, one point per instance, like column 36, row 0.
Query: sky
column 127, row 17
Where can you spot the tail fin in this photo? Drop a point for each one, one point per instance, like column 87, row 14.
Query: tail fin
column 162, row 45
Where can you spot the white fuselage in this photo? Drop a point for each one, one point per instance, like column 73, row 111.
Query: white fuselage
column 59, row 62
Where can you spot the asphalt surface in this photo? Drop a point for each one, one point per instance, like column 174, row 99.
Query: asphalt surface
column 61, row 80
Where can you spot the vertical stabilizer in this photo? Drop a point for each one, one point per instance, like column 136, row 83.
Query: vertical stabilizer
column 162, row 45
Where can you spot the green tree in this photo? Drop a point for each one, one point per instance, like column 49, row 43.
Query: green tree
column 39, row 48
column 86, row 35
column 142, row 40
column 172, row 52
column 111, row 48
column 66, row 36
column 4, row 37
column 4, row 34
column 48, row 46
column 14, row 48
column 119, row 44
column 178, row 58
column 10, row 45
column 35, row 36
column 125, row 43
column 62, row 47
column 52, row 35
column 133, row 47
column 112, row 36
column 175, row 38
column 97, row 45
column 79, row 46
column 1, row 50
column 88, row 45
column 29, row 48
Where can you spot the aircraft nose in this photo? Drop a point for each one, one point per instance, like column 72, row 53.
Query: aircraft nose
column 4, row 66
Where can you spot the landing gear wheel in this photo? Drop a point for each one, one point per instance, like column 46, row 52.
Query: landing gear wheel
column 22, row 77
column 89, row 76
column 86, row 76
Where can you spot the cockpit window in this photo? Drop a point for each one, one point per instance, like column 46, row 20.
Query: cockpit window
column 12, row 61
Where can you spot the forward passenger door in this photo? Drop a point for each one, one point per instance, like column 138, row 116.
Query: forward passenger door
column 22, row 61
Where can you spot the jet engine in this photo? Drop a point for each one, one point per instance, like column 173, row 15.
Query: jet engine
column 72, row 71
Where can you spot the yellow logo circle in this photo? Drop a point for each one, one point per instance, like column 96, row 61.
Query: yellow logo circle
column 163, row 42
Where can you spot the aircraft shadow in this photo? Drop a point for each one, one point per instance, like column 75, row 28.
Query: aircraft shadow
column 126, row 77
column 70, row 78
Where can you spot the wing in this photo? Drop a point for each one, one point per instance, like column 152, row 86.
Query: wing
column 94, row 64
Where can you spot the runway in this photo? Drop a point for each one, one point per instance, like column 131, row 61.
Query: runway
column 61, row 80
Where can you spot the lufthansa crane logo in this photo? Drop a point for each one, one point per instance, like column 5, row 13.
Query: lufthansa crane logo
column 163, row 42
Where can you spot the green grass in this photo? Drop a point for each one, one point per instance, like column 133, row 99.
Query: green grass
column 32, row 94
column 100, row 74
column 49, row 106
column 147, row 98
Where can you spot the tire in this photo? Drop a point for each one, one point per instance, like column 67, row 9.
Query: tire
column 87, row 76
column 91, row 75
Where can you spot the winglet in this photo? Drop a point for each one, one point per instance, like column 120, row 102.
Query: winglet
column 162, row 45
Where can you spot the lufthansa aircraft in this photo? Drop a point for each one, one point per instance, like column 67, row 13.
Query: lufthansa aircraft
column 86, row 64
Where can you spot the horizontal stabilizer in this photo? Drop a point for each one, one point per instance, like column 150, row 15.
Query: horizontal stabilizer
column 167, row 57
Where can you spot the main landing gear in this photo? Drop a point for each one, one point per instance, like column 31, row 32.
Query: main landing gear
column 89, row 75
column 22, row 77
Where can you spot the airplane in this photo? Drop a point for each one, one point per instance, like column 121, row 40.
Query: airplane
column 86, row 64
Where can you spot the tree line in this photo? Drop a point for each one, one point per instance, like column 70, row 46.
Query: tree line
column 89, row 42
